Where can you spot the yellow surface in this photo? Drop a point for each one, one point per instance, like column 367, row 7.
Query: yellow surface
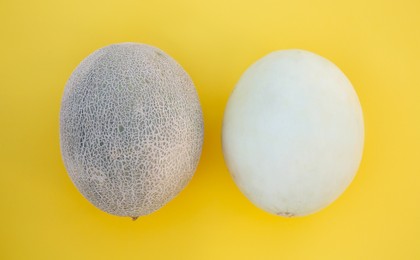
column 376, row 43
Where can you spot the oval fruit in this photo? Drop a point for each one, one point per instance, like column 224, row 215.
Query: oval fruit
column 293, row 133
column 131, row 129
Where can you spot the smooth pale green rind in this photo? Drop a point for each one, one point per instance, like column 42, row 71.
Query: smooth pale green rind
column 293, row 133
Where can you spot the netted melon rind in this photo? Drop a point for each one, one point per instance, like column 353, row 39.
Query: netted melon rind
column 131, row 129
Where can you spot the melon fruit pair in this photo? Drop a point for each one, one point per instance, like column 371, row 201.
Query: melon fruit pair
column 131, row 131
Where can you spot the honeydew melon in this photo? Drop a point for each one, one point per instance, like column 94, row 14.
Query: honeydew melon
column 293, row 133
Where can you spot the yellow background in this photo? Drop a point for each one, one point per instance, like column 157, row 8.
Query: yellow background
column 376, row 43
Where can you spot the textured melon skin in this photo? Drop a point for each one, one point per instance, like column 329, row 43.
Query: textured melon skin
column 131, row 129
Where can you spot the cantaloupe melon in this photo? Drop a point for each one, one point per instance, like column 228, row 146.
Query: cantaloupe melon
column 131, row 129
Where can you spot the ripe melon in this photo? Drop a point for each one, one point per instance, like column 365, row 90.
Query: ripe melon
column 293, row 133
column 131, row 129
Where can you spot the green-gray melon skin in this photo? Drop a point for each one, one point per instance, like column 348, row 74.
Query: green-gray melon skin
column 131, row 129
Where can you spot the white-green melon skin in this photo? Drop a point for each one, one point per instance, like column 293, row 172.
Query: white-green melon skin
column 131, row 129
column 293, row 133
